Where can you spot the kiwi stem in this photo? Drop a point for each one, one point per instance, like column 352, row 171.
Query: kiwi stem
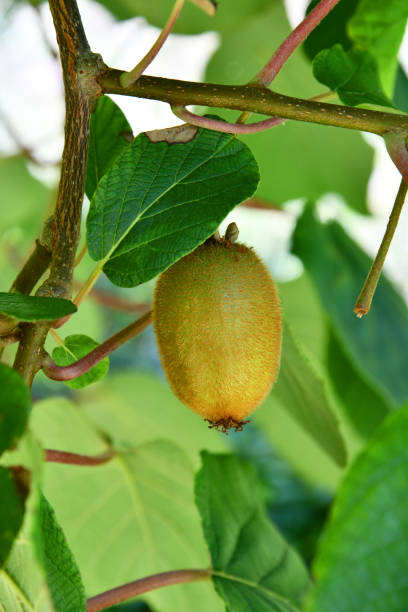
column 128, row 78
column 133, row 589
column 52, row 370
column 365, row 298
column 224, row 126
column 56, row 456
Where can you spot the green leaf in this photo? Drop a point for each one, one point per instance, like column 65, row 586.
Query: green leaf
column 109, row 135
column 229, row 15
column 32, row 308
column 40, row 572
column 74, row 348
column 377, row 343
column 352, row 74
column 332, row 30
column 378, row 27
column 251, row 562
column 136, row 513
column 344, row 156
column 296, row 508
column 158, row 201
column 12, row 507
column 302, row 393
column 63, row 577
column 362, row 563
column 364, row 406
column 15, row 403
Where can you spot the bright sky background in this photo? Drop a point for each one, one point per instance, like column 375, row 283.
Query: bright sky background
column 31, row 102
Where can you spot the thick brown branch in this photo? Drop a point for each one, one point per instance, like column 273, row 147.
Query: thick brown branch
column 79, row 67
column 253, row 99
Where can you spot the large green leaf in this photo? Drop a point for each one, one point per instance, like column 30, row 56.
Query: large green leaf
column 15, row 403
column 33, row 308
column 352, row 74
column 158, row 201
column 135, row 514
column 230, row 13
column 323, row 159
column 378, row 27
column 363, row 561
column 40, row 572
column 301, row 391
column 109, row 134
column 75, row 347
column 251, row 561
column 12, row 506
column 377, row 343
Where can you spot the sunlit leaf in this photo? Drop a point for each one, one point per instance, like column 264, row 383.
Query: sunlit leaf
column 162, row 197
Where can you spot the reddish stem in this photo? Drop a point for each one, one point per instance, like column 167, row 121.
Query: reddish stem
column 52, row 370
column 224, row 126
column 291, row 43
column 56, row 456
column 132, row 589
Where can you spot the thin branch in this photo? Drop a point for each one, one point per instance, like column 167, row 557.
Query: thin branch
column 224, row 126
column 365, row 298
column 131, row 77
column 52, row 370
column 255, row 99
column 56, row 456
column 138, row 587
column 291, row 43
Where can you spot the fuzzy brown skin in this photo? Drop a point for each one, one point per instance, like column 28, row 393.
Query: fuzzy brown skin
column 218, row 324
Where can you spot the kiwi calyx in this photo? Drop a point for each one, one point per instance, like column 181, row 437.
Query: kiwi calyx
column 226, row 424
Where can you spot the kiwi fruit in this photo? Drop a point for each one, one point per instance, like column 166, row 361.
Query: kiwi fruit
column 218, row 324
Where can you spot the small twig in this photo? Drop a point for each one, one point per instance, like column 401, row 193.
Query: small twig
column 291, row 43
column 365, row 298
column 56, row 456
column 128, row 78
column 52, row 370
column 133, row 589
column 224, row 126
